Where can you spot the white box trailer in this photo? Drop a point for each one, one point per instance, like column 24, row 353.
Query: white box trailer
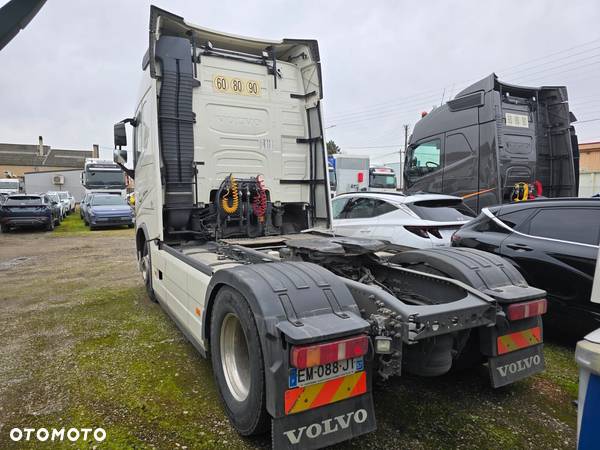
column 352, row 173
column 230, row 166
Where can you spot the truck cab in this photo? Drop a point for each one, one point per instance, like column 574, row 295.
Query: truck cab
column 495, row 143
column 100, row 175
column 382, row 179
column 9, row 186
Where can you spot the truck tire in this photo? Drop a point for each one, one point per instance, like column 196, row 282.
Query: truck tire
column 237, row 362
column 146, row 269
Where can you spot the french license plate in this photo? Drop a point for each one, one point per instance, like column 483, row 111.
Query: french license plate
column 316, row 374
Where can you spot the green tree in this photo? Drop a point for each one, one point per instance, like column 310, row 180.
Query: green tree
column 333, row 148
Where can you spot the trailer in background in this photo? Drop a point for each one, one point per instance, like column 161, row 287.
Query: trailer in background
column 352, row 173
column 55, row 180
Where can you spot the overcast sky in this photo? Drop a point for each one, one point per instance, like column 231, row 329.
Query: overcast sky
column 74, row 71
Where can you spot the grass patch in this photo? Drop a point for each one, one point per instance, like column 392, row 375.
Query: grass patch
column 73, row 225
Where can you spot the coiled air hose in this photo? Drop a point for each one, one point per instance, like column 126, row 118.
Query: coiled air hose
column 235, row 198
column 259, row 203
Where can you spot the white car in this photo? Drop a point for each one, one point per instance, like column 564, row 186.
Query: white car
column 63, row 197
column 414, row 221
column 64, row 205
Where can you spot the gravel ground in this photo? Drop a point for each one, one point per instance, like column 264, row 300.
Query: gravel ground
column 82, row 346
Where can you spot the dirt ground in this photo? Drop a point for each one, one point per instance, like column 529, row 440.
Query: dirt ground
column 82, row 346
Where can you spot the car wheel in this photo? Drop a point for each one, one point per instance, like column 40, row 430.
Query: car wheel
column 92, row 228
column 4, row 228
column 237, row 362
column 146, row 269
column 130, row 225
column 50, row 226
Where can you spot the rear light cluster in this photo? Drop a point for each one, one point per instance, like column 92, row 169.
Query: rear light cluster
column 318, row 354
column 424, row 232
column 524, row 310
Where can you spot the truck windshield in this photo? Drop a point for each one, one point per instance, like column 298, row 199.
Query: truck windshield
column 441, row 210
column 108, row 200
column 20, row 201
column 383, row 181
column 9, row 184
column 105, row 178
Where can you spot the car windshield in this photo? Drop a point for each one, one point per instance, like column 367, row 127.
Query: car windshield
column 441, row 210
column 22, row 201
column 63, row 195
column 106, row 200
column 54, row 197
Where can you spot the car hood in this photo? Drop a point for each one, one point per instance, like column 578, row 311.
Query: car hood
column 111, row 209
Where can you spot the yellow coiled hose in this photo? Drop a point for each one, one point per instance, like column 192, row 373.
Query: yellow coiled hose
column 235, row 199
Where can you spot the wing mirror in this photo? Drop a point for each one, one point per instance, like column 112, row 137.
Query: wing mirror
column 120, row 134
column 120, row 156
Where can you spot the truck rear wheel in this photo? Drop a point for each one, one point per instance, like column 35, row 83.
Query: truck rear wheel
column 238, row 362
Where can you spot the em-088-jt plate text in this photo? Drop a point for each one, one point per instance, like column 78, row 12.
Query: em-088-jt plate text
column 317, row 374
column 239, row 86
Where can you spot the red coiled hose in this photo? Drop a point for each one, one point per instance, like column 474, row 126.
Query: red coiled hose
column 259, row 202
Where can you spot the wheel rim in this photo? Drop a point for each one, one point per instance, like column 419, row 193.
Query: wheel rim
column 144, row 263
column 235, row 357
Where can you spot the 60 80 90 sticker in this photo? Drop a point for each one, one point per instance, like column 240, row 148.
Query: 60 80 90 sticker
column 233, row 85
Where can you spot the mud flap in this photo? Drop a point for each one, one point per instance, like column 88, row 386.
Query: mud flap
column 327, row 425
column 515, row 366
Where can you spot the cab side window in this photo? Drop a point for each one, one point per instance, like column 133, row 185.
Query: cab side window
column 141, row 134
column 425, row 158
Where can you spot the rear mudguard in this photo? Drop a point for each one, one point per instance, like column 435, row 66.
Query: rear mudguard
column 486, row 272
column 293, row 303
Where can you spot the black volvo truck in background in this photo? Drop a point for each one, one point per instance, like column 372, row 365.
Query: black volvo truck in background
column 495, row 143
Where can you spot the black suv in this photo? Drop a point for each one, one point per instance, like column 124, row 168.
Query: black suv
column 22, row 210
column 554, row 244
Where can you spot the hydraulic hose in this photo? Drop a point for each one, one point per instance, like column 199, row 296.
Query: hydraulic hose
column 235, row 197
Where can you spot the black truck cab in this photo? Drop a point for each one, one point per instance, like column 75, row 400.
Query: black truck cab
column 491, row 137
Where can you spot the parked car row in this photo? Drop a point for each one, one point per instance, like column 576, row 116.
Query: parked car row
column 105, row 210
column 552, row 242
